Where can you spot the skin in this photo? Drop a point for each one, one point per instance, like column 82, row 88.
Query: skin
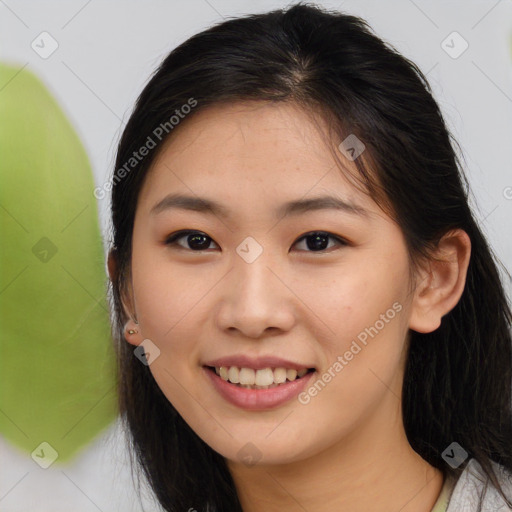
column 346, row 449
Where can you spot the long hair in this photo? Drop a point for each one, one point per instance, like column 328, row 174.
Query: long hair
column 458, row 379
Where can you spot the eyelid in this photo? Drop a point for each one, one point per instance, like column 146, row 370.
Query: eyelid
column 340, row 240
column 173, row 237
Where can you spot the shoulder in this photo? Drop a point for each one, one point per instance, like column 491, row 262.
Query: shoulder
column 468, row 489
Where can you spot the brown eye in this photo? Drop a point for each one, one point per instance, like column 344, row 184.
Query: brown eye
column 196, row 240
column 317, row 241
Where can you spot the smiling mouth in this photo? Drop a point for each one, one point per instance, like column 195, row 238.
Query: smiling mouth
column 266, row 378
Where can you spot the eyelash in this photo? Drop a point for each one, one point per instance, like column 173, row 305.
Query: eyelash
column 172, row 239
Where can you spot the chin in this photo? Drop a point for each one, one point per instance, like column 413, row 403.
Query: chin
column 260, row 448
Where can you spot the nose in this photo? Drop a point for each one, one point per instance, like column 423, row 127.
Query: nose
column 256, row 299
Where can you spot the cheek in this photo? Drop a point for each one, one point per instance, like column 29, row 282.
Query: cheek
column 359, row 302
column 363, row 322
column 167, row 302
column 363, row 362
column 164, row 294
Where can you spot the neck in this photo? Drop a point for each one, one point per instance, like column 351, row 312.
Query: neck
column 373, row 467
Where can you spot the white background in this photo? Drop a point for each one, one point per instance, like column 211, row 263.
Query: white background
column 107, row 50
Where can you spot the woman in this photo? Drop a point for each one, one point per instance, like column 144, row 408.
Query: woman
column 306, row 314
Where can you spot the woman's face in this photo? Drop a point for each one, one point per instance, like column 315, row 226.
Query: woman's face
column 255, row 289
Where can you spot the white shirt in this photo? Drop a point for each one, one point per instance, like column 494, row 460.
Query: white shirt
column 465, row 494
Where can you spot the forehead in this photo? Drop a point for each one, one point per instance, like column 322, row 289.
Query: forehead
column 254, row 153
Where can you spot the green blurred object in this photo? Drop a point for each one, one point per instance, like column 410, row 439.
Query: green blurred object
column 56, row 358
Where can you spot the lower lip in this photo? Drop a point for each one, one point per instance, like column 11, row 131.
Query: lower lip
column 258, row 399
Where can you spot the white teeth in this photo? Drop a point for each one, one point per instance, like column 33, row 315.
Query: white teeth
column 280, row 375
column 264, row 377
column 247, row 376
column 234, row 375
column 291, row 374
column 258, row 379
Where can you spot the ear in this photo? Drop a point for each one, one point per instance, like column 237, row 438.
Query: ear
column 440, row 285
column 131, row 329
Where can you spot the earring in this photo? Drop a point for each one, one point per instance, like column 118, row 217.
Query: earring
column 131, row 331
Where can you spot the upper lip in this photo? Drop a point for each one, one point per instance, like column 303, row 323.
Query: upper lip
column 257, row 363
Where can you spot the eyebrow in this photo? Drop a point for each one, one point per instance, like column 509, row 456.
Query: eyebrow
column 297, row 207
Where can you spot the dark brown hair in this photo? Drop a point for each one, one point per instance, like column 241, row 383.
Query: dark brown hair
column 458, row 379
